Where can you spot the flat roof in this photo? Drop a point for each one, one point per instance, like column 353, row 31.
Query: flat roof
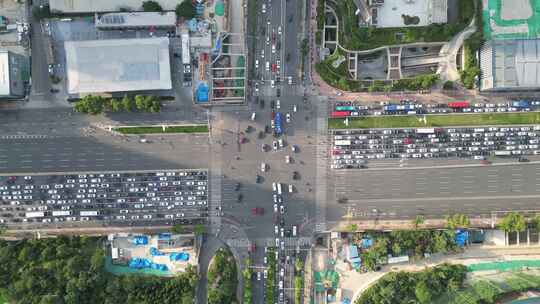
column 508, row 64
column 4, row 73
column 137, row 19
column 101, row 6
column 118, row 65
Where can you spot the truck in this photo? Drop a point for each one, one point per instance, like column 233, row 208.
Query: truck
column 520, row 104
column 89, row 213
column 35, row 214
column 61, row 213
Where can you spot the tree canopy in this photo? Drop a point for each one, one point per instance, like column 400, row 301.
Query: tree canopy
column 71, row 270
column 151, row 6
column 185, row 9
column 222, row 278
column 513, row 222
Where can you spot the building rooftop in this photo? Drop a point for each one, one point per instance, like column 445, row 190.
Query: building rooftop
column 510, row 64
column 137, row 19
column 118, row 65
column 4, row 73
column 102, row 6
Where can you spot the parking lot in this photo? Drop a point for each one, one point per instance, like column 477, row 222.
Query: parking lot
column 353, row 148
column 104, row 199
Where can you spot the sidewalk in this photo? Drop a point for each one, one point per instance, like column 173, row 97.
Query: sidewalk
column 358, row 282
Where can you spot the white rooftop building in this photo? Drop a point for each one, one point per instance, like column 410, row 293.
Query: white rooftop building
column 510, row 65
column 118, row 65
column 103, row 6
column 11, row 82
column 136, row 20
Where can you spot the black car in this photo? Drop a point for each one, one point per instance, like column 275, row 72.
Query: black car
column 258, row 179
column 237, row 186
column 272, row 104
column 240, row 198
column 278, row 93
column 261, row 103
column 296, row 175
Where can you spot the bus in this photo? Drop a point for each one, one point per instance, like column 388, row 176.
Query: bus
column 340, row 114
column 345, row 108
column 278, row 122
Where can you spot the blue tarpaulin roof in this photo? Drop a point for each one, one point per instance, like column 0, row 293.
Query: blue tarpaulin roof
column 366, row 243
column 461, row 237
column 202, row 93
column 140, row 240
column 353, row 252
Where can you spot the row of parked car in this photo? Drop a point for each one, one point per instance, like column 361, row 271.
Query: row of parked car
column 127, row 197
column 353, row 148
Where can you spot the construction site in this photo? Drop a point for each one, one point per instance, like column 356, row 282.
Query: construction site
column 217, row 44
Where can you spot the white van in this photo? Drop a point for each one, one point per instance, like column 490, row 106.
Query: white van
column 257, row 64
column 279, row 188
column 291, row 189
column 253, row 115
column 263, row 8
column 268, row 66
column 274, row 187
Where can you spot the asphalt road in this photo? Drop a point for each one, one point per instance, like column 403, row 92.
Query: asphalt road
column 406, row 192
column 102, row 152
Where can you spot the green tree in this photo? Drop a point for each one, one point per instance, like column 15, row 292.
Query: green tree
column 127, row 103
column 178, row 229
column 116, row 105
column 41, row 12
column 156, row 106
column 486, row 291
column 422, row 292
column 418, row 221
column 185, row 9
column 140, row 102
column 457, row 220
column 536, row 223
column 151, row 6
column 513, row 222
column 199, row 229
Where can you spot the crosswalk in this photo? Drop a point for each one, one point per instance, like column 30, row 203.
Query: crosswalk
column 215, row 180
column 27, row 136
column 289, row 242
column 322, row 168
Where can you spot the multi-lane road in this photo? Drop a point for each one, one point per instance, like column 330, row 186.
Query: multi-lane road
column 433, row 191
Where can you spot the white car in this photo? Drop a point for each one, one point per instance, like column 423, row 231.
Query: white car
column 262, row 53
column 279, row 30
column 289, row 80
column 287, row 159
column 281, row 144
column 291, row 189
column 257, row 64
column 273, row 85
column 288, row 117
column 263, row 167
column 276, row 229
column 275, row 208
column 278, row 104
column 294, row 108
column 263, row 8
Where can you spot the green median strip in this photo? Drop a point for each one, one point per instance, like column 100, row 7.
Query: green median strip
column 162, row 130
column 417, row 121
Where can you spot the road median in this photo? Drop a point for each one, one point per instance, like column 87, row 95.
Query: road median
column 165, row 129
column 450, row 120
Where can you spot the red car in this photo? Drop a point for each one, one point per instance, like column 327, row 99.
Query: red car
column 274, row 67
column 257, row 211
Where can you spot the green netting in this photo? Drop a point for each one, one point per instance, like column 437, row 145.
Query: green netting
column 492, row 15
column 504, row 266
column 322, row 278
column 220, row 8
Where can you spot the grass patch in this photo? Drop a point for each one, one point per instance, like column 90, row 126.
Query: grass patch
column 436, row 120
column 158, row 130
